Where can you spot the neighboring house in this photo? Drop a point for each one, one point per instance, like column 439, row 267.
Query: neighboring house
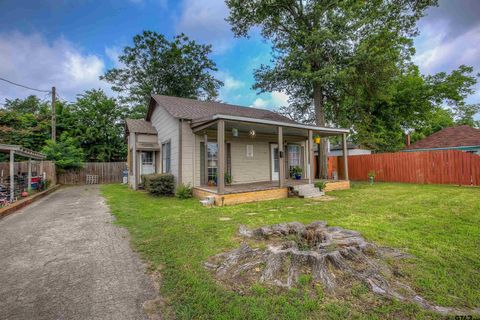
column 353, row 150
column 463, row 138
column 204, row 142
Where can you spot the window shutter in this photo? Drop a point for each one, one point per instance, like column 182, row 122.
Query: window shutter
column 229, row 159
column 168, row 156
column 287, row 165
column 202, row 163
column 302, row 161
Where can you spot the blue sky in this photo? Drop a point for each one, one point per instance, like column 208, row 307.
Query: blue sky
column 69, row 43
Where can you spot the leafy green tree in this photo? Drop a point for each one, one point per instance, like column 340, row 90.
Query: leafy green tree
column 412, row 102
column 31, row 104
column 25, row 122
column 155, row 65
column 97, row 123
column 65, row 152
column 319, row 47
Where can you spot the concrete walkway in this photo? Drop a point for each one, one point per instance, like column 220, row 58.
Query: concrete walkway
column 62, row 258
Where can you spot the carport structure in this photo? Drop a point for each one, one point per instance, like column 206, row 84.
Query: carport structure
column 23, row 152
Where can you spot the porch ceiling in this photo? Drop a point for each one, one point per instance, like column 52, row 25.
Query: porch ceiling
column 245, row 127
column 265, row 126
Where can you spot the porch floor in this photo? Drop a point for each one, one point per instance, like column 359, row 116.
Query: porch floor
column 260, row 186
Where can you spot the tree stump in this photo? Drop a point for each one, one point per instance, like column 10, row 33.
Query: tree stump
column 332, row 256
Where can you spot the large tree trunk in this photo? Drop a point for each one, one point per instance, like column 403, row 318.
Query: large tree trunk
column 320, row 121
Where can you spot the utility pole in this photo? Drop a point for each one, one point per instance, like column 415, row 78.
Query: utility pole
column 54, row 116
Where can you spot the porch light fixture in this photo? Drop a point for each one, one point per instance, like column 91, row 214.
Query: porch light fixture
column 252, row 133
column 234, row 132
column 316, row 139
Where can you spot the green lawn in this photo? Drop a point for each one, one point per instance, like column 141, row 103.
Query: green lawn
column 439, row 225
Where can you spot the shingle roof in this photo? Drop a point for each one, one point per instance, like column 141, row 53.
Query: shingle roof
column 140, row 126
column 449, row 137
column 191, row 109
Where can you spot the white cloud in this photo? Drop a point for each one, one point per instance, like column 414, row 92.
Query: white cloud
column 259, row 103
column 274, row 100
column 231, row 86
column 33, row 61
column 443, row 46
column 113, row 53
column 204, row 20
column 436, row 52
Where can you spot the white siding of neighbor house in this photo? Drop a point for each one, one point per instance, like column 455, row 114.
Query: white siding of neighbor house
column 351, row 152
column 168, row 129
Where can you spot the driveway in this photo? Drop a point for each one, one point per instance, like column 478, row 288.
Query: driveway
column 62, row 258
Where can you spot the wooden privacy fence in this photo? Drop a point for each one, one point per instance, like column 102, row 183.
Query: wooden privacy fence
column 439, row 167
column 22, row 167
column 107, row 172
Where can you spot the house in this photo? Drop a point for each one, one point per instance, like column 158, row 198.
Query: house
column 353, row 150
column 463, row 138
column 221, row 149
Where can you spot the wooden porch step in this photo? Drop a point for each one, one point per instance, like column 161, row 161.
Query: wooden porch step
column 307, row 191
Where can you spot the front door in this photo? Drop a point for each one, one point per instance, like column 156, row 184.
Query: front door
column 275, row 163
column 148, row 163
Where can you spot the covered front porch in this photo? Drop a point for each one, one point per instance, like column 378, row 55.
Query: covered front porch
column 245, row 155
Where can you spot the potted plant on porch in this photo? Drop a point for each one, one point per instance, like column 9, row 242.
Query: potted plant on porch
column 296, row 172
column 228, row 179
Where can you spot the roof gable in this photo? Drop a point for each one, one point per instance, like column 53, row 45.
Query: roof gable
column 139, row 126
column 191, row 109
column 460, row 136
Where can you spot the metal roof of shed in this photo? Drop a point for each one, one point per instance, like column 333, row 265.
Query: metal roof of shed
column 21, row 151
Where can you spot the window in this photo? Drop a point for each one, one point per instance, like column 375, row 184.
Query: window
column 212, row 161
column 166, row 154
column 294, row 157
column 147, row 158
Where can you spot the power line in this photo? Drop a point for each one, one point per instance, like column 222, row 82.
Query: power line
column 21, row 85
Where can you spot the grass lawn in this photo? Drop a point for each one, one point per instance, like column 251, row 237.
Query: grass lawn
column 438, row 225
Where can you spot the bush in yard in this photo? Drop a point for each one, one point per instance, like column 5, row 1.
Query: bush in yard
column 320, row 185
column 184, row 191
column 65, row 152
column 159, row 184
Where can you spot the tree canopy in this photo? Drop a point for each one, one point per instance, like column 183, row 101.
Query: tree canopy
column 155, row 65
column 321, row 47
column 94, row 123
column 65, row 153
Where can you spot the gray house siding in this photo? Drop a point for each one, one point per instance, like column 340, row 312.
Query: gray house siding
column 188, row 154
column 168, row 130
column 245, row 169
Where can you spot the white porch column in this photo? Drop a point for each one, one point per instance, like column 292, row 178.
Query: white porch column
column 12, row 174
column 281, row 159
column 221, row 157
column 29, row 175
column 345, row 157
column 311, row 173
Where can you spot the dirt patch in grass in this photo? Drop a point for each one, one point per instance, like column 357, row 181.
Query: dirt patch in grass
column 157, row 308
column 324, row 198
